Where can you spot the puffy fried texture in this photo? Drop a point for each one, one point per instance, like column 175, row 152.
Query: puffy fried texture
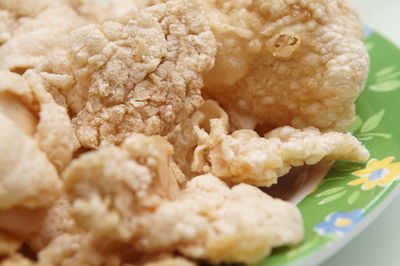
column 244, row 156
column 203, row 145
column 206, row 220
column 299, row 63
column 142, row 73
column 24, row 164
column 106, row 183
column 212, row 222
column 28, row 44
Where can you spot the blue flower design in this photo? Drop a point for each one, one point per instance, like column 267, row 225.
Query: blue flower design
column 339, row 223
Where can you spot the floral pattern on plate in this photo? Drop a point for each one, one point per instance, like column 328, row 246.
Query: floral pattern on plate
column 377, row 173
column 339, row 223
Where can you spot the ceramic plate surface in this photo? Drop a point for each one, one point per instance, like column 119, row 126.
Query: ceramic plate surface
column 352, row 195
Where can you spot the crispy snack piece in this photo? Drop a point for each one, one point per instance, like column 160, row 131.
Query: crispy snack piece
column 207, row 220
column 142, row 73
column 298, row 63
column 246, row 157
column 136, row 176
column 203, row 145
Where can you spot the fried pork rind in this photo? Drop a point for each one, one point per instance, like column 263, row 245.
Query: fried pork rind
column 204, row 145
column 298, row 63
column 117, row 195
column 246, row 157
column 142, row 73
column 35, row 37
column 105, row 184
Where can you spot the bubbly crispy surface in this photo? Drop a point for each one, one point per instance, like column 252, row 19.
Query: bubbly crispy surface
column 141, row 73
column 204, row 145
column 197, row 221
column 114, row 152
column 246, row 157
column 299, row 63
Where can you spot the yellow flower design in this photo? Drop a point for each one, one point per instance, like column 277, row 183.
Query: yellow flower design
column 377, row 173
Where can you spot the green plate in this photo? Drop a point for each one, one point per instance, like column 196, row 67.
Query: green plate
column 352, row 195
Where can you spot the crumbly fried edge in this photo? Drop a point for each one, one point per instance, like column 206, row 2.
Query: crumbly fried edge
column 244, row 156
column 120, row 196
column 142, row 73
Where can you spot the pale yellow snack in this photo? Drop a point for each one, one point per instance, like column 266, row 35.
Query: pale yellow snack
column 207, row 220
column 142, row 73
column 299, row 63
column 136, row 176
column 34, row 38
column 246, row 157
column 202, row 145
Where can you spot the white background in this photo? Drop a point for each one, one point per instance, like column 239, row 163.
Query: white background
column 378, row 244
